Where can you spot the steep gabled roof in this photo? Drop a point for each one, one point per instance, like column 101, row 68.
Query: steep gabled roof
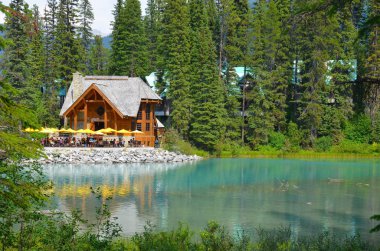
column 124, row 93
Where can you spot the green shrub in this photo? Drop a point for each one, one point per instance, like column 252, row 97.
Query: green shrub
column 173, row 142
column 277, row 140
column 323, row 144
column 349, row 146
column 359, row 129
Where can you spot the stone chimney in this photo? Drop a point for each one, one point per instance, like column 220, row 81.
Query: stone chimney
column 77, row 86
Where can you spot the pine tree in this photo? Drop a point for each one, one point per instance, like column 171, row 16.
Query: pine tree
column 341, row 66
column 207, row 127
column 175, row 58
column 86, row 17
column 15, row 63
column 135, row 43
column 129, row 44
column 70, row 52
column 316, row 49
column 49, row 37
column 98, row 57
column 371, row 75
column 270, row 67
column 152, row 24
column 116, row 62
column 36, row 61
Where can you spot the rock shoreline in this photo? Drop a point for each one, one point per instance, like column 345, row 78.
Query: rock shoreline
column 112, row 155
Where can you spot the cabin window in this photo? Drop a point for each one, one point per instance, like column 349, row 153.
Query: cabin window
column 100, row 110
column 139, row 115
column 138, row 127
column 147, row 127
column 147, row 111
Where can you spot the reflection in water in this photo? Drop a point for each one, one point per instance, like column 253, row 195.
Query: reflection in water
column 308, row 196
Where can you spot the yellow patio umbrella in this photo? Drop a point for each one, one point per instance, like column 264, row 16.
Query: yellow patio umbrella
column 123, row 131
column 98, row 133
column 47, row 130
column 88, row 131
column 107, row 130
column 71, row 130
column 137, row 132
column 80, row 131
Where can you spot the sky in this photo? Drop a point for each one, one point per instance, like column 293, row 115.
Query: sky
column 102, row 12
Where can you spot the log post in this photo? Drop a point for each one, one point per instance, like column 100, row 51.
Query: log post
column 85, row 115
column 75, row 120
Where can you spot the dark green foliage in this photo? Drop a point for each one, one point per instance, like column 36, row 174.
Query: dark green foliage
column 323, row 144
column 206, row 126
column 216, row 237
column 175, row 62
column 98, row 57
column 293, row 138
column 270, row 68
column 129, row 44
column 277, row 140
column 359, row 129
column 70, row 53
column 179, row 239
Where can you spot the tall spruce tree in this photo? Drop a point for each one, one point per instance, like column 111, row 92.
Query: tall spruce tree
column 49, row 37
column 316, row 47
column 208, row 113
column 70, row 52
column 116, row 62
column 270, row 67
column 98, row 57
column 340, row 69
column 86, row 18
column 152, row 23
column 36, row 61
column 16, row 69
column 175, row 58
column 129, row 44
column 370, row 74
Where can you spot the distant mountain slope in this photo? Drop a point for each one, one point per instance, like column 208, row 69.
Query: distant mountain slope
column 107, row 41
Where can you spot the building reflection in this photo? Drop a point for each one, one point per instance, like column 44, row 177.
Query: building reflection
column 240, row 194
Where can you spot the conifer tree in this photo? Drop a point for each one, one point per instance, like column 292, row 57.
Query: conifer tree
column 370, row 74
column 49, row 40
column 15, row 63
column 70, row 52
column 135, row 43
column 129, row 44
column 316, row 48
column 116, row 62
column 341, row 66
column 207, row 127
column 98, row 57
column 175, row 58
column 86, row 17
column 152, row 22
column 36, row 61
column 270, row 67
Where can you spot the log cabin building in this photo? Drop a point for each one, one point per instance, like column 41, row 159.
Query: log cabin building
column 118, row 102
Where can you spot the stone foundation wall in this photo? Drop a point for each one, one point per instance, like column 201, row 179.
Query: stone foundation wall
column 113, row 155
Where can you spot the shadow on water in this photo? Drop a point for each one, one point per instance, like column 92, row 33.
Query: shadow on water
column 309, row 196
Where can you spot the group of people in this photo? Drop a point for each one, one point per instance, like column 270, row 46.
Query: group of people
column 82, row 142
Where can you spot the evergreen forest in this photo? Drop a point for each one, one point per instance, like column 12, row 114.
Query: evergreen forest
column 278, row 75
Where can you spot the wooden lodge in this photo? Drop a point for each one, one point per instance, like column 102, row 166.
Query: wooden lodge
column 118, row 102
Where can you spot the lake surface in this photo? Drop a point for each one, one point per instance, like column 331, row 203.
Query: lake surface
column 309, row 196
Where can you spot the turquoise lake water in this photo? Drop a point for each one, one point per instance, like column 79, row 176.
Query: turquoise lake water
column 309, row 196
